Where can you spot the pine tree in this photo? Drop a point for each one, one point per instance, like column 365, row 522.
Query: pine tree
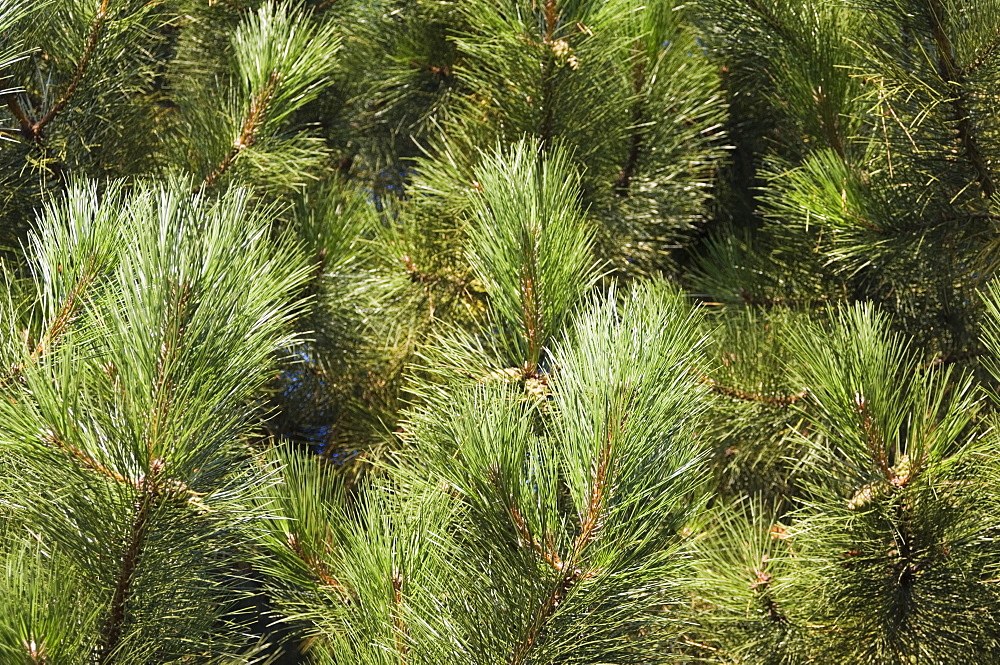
column 499, row 331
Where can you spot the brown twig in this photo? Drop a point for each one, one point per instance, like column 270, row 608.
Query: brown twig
column 24, row 122
column 590, row 525
column 873, row 437
column 551, row 19
column 736, row 393
column 400, row 634
column 762, row 580
column 59, row 325
column 252, row 123
column 548, row 92
column 32, row 130
column 149, row 492
column 548, row 552
column 624, row 179
column 81, row 69
column 954, row 78
column 318, row 567
column 172, row 332
column 533, row 323
column 87, row 461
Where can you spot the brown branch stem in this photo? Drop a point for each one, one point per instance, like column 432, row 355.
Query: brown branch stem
column 547, row 552
column 81, row 68
column 32, row 130
column 111, row 632
column 590, row 525
column 736, row 393
column 87, row 461
column 954, row 79
column 172, row 332
column 532, row 316
column 59, row 326
column 873, row 437
column 624, row 179
column 318, row 567
column 24, row 122
column 252, row 123
column 399, row 626
column 551, row 19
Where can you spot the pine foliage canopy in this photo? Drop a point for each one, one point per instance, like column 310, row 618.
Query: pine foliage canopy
column 411, row 332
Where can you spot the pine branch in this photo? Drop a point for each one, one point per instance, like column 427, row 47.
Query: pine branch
column 399, row 627
column 24, row 122
column 173, row 331
column 551, row 19
column 533, row 322
column 87, row 461
column 111, row 632
column 737, row 393
column 905, row 566
column 32, row 130
column 547, row 130
column 318, row 567
column 59, row 326
column 624, row 179
column 590, row 527
column 953, row 77
column 548, row 553
column 81, row 68
column 565, row 583
column 149, row 489
column 873, row 437
column 591, row 524
column 760, row 585
column 65, row 316
column 252, row 124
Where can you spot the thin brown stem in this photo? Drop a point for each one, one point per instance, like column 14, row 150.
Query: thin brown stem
column 96, row 27
column 547, row 552
column 548, row 92
column 591, row 523
column 87, row 461
column 172, row 332
column 532, row 317
column 318, row 568
column 111, row 632
column 399, row 626
column 874, row 440
column 558, row 592
column 737, row 393
column 954, row 78
column 60, row 324
column 590, row 526
column 253, row 121
column 551, row 19
column 763, row 580
column 32, row 130
column 25, row 125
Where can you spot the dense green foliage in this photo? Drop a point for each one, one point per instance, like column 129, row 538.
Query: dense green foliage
column 499, row 331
